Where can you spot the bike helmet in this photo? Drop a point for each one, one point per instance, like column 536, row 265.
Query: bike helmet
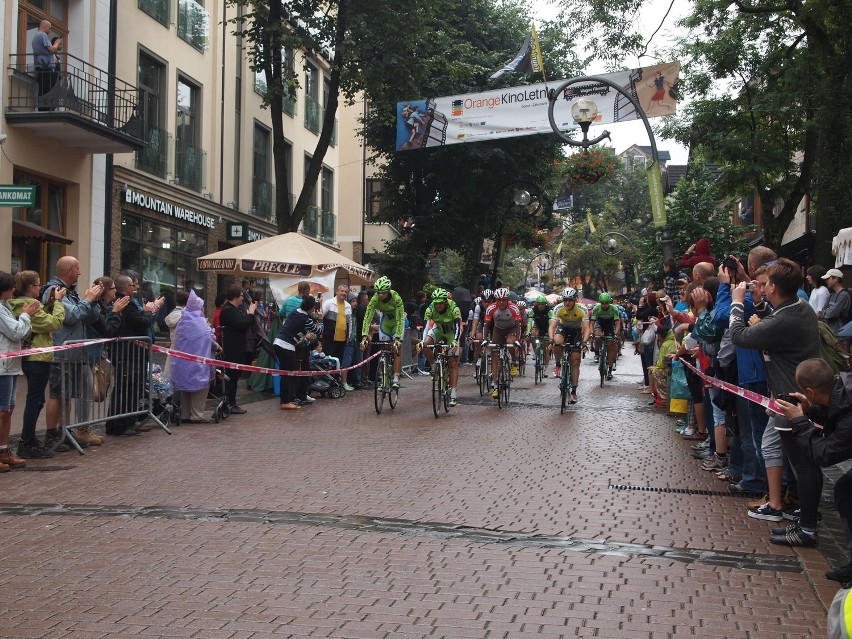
column 570, row 294
column 477, row 301
column 382, row 285
column 541, row 299
column 439, row 295
column 487, row 294
column 501, row 294
column 605, row 298
column 522, row 304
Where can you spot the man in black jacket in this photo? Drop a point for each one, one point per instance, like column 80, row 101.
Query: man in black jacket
column 235, row 321
column 828, row 399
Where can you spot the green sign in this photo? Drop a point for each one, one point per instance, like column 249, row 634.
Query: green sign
column 17, row 195
column 236, row 231
column 655, row 188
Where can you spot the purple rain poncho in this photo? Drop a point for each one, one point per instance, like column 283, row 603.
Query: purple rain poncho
column 192, row 335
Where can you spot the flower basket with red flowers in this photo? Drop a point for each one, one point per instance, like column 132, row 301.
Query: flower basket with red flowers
column 589, row 166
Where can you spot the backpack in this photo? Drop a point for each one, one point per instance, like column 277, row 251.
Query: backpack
column 829, row 350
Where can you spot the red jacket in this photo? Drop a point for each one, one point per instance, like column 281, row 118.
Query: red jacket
column 702, row 254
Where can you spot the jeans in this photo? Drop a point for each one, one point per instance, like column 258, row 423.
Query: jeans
column 352, row 357
column 37, row 373
column 753, row 472
column 808, row 478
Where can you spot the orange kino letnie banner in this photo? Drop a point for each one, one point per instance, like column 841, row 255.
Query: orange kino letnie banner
column 508, row 113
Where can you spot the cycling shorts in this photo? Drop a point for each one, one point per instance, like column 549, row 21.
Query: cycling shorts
column 541, row 326
column 498, row 336
column 573, row 337
column 606, row 326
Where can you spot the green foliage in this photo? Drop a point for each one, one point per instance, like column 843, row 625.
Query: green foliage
column 451, row 267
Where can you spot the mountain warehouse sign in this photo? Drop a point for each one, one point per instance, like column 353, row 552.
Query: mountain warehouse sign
column 167, row 208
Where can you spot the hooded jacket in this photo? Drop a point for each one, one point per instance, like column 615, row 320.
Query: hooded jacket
column 78, row 314
column 833, row 444
column 43, row 324
column 702, row 254
column 12, row 331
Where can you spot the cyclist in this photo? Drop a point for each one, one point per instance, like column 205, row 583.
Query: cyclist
column 390, row 305
column 443, row 324
column 608, row 322
column 569, row 328
column 482, row 304
column 502, row 326
column 538, row 324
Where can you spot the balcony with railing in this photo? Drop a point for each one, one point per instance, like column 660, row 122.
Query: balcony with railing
column 80, row 105
column 190, row 162
column 312, row 114
column 157, row 9
column 310, row 223
column 154, row 158
column 193, row 23
column 263, row 199
column 327, row 233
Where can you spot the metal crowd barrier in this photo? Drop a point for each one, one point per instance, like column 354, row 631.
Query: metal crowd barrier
column 409, row 358
column 125, row 393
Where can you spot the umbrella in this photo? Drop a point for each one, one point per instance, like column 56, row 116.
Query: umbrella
column 587, row 302
column 290, row 254
column 845, row 332
column 463, row 299
column 532, row 293
column 553, row 298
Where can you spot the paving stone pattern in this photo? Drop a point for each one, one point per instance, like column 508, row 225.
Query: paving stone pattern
column 336, row 522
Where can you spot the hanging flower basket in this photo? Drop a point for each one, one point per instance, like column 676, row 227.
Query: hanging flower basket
column 589, row 167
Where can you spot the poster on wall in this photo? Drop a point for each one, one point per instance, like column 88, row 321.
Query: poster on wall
column 515, row 111
column 284, row 286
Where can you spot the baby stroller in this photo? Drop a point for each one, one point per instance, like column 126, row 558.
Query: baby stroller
column 218, row 378
column 328, row 384
column 160, row 391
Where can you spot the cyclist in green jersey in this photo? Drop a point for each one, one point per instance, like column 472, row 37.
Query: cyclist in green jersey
column 608, row 322
column 390, row 305
column 443, row 324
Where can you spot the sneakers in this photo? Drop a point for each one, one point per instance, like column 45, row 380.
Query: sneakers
column 513, row 371
column 84, row 434
column 701, row 445
column 307, row 399
column 842, row 574
column 557, row 371
column 236, row 410
column 766, row 513
column 573, row 399
column 453, row 401
column 10, row 460
column 795, row 535
column 495, row 393
column 792, row 514
column 609, row 376
column 349, row 388
column 33, row 450
column 53, row 442
column 715, row 463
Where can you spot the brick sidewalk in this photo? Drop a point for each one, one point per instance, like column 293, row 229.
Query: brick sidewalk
column 336, row 522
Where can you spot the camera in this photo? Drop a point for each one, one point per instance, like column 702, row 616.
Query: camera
column 731, row 264
column 788, row 398
column 749, row 286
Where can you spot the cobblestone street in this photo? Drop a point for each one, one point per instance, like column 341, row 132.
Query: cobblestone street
column 337, row 522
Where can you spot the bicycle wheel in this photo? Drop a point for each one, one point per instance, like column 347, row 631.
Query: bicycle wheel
column 538, row 363
column 482, row 378
column 602, row 362
column 564, row 382
column 379, row 385
column 445, row 388
column 393, row 395
column 506, row 387
column 437, row 378
column 522, row 362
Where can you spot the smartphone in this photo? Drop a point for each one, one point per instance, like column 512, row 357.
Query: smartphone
column 788, row 398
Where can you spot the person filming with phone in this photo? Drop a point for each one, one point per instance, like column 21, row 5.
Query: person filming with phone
column 827, row 399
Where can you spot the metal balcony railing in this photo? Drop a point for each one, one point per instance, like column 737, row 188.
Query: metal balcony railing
column 79, row 88
column 312, row 114
column 310, row 224
column 157, row 9
column 189, row 165
column 263, row 199
column 193, row 23
column 154, row 158
column 327, row 233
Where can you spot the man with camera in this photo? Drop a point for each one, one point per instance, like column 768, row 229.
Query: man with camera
column 786, row 336
column 827, row 398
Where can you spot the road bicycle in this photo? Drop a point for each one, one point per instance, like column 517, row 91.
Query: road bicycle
column 483, row 376
column 539, row 345
column 565, row 385
column 383, row 386
column 504, row 376
column 440, row 379
column 603, row 356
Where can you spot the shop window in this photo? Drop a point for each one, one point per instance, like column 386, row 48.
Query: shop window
column 40, row 240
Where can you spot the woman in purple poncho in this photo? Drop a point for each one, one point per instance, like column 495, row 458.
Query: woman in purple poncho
column 195, row 336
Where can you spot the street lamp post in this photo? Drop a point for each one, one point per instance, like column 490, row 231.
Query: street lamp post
column 527, row 196
column 610, row 246
column 584, row 114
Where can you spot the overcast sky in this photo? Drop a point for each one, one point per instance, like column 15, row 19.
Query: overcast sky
column 625, row 134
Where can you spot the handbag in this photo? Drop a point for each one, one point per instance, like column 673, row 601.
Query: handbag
column 649, row 335
column 101, row 379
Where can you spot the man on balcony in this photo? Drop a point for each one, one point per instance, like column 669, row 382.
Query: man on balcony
column 44, row 58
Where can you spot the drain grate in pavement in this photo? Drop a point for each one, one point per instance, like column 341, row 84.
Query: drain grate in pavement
column 42, row 469
column 423, row 529
column 682, row 491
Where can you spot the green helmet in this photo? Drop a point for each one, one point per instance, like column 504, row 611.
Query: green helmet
column 382, row 284
column 605, row 298
column 439, row 295
column 541, row 299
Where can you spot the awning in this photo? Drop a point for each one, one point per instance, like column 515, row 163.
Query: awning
column 800, row 249
column 21, row 228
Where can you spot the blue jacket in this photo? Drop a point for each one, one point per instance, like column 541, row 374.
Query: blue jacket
column 750, row 368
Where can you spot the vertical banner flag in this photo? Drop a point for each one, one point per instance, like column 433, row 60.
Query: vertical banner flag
column 655, row 189
column 525, row 61
column 515, row 111
column 536, row 61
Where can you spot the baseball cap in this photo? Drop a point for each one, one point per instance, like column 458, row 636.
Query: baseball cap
column 833, row 272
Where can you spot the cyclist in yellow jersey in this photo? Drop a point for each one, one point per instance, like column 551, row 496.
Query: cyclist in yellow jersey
column 569, row 328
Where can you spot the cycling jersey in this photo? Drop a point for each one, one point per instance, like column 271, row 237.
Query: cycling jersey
column 444, row 326
column 573, row 317
column 393, row 315
column 540, row 317
column 504, row 319
column 606, row 318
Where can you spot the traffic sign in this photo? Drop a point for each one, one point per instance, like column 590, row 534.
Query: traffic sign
column 17, row 195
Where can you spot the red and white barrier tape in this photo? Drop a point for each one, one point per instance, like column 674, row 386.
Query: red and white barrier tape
column 751, row 396
column 53, row 349
column 255, row 369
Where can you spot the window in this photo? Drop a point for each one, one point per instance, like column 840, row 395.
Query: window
column 30, row 15
column 37, row 253
column 312, row 105
column 157, row 9
column 152, row 88
column 311, row 223
column 327, row 233
column 288, row 102
column 375, row 200
column 193, row 23
column 189, row 157
column 262, row 192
